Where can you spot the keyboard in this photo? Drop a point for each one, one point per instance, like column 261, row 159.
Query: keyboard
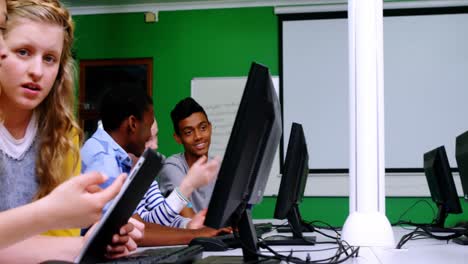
column 232, row 242
column 167, row 255
column 227, row 241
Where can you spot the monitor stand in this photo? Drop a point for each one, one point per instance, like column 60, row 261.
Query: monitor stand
column 248, row 240
column 287, row 229
column 280, row 240
column 462, row 240
column 296, row 226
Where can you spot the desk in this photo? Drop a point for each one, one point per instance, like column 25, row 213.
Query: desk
column 427, row 251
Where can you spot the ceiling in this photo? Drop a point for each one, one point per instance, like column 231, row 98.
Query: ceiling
column 123, row 6
column 90, row 3
column 82, row 7
column 81, row 3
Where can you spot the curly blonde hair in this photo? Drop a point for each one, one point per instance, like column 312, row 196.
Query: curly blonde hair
column 57, row 126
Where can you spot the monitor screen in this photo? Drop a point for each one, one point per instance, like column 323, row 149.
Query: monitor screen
column 461, row 155
column 248, row 158
column 293, row 181
column 441, row 185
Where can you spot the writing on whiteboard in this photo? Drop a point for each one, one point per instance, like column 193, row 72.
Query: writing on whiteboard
column 222, row 118
column 220, row 97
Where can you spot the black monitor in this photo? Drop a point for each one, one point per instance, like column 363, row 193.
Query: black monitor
column 293, row 182
column 248, row 159
column 441, row 185
column 461, row 154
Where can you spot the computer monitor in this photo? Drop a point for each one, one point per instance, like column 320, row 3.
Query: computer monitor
column 293, row 182
column 441, row 185
column 248, row 159
column 461, row 155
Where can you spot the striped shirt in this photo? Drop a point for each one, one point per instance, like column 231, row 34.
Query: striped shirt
column 154, row 208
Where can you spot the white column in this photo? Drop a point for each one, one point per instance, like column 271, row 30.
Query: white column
column 366, row 224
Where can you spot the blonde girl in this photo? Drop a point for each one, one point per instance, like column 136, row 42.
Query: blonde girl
column 38, row 134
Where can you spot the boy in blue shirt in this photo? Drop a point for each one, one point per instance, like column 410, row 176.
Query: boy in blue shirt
column 127, row 117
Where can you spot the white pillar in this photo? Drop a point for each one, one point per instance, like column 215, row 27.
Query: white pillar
column 366, row 224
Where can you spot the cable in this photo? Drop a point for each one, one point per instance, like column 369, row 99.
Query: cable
column 308, row 250
column 326, row 235
column 275, row 227
column 343, row 249
column 328, row 227
column 424, row 232
column 343, row 252
column 333, row 259
column 399, row 222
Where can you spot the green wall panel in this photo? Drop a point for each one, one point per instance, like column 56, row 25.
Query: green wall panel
column 183, row 45
column 334, row 210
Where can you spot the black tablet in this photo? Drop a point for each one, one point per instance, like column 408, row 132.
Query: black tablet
column 122, row 207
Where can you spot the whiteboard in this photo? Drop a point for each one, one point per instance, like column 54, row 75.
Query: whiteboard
column 426, row 87
column 220, row 97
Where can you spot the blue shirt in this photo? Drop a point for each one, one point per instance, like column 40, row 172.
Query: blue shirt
column 102, row 154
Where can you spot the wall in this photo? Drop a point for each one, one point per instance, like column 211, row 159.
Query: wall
column 425, row 84
column 334, row 210
column 206, row 43
column 183, row 45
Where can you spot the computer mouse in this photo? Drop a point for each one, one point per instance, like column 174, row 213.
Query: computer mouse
column 209, row 243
